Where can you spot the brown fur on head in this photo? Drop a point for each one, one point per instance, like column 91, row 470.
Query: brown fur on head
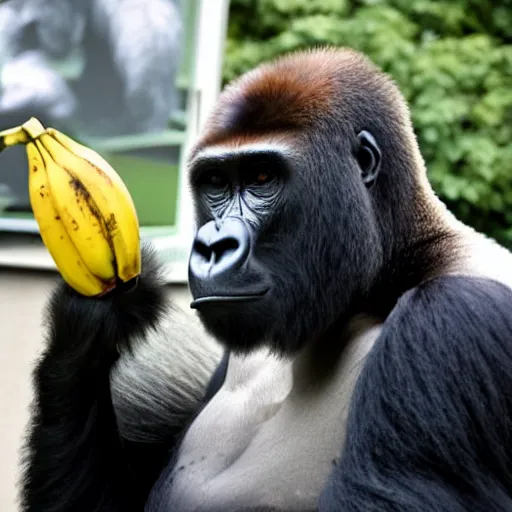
column 295, row 92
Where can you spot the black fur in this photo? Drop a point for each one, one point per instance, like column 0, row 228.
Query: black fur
column 74, row 455
column 430, row 422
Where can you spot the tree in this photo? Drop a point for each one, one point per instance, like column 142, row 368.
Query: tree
column 452, row 60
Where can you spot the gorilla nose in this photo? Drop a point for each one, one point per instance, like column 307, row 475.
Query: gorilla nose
column 220, row 249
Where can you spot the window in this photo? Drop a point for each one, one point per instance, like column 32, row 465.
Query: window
column 105, row 76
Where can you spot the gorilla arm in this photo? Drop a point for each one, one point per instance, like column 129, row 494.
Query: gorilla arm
column 431, row 418
column 75, row 458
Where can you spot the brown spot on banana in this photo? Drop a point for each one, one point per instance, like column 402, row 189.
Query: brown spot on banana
column 130, row 271
column 105, row 176
column 83, row 194
column 111, row 223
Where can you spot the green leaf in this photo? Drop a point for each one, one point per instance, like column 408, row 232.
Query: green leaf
column 452, row 59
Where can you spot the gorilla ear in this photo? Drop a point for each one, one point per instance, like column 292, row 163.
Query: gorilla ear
column 368, row 157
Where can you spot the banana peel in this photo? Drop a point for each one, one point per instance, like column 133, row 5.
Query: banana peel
column 85, row 213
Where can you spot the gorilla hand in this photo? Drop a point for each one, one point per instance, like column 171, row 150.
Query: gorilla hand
column 73, row 415
column 97, row 329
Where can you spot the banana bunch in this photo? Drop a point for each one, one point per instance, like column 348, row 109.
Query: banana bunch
column 86, row 216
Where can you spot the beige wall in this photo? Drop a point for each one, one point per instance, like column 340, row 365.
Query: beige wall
column 22, row 296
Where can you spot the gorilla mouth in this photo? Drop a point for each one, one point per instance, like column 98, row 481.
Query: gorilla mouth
column 222, row 299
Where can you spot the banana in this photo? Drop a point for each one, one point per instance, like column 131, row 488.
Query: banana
column 78, row 213
column 54, row 234
column 111, row 197
column 85, row 213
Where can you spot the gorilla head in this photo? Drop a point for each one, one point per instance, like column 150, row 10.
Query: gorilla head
column 308, row 182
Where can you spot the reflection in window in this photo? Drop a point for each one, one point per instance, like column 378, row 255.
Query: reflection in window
column 105, row 72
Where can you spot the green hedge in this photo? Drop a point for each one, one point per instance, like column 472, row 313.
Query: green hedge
column 453, row 62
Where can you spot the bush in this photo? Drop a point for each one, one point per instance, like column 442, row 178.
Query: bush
column 452, row 60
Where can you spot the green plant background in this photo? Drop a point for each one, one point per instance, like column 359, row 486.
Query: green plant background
column 452, row 60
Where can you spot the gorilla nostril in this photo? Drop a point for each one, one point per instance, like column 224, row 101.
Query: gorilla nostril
column 224, row 247
column 215, row 252
column 203, row 250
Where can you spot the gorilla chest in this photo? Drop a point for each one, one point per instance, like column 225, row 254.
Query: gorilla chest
column 267, row 440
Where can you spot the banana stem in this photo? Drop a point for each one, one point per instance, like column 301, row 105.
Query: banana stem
column 13, row 137
column 23, row 134
column 33, row 127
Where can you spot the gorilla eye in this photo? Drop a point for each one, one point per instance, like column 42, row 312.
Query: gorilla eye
column 214, row 179
column 259, row 178
column 263, row 177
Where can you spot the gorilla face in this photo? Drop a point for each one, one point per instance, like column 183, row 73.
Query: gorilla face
column 287, row 238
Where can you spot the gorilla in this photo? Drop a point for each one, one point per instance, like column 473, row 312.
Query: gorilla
column 126, row 55
column 351, row 345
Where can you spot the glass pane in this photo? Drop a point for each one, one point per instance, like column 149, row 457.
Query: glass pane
column 113, row 74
